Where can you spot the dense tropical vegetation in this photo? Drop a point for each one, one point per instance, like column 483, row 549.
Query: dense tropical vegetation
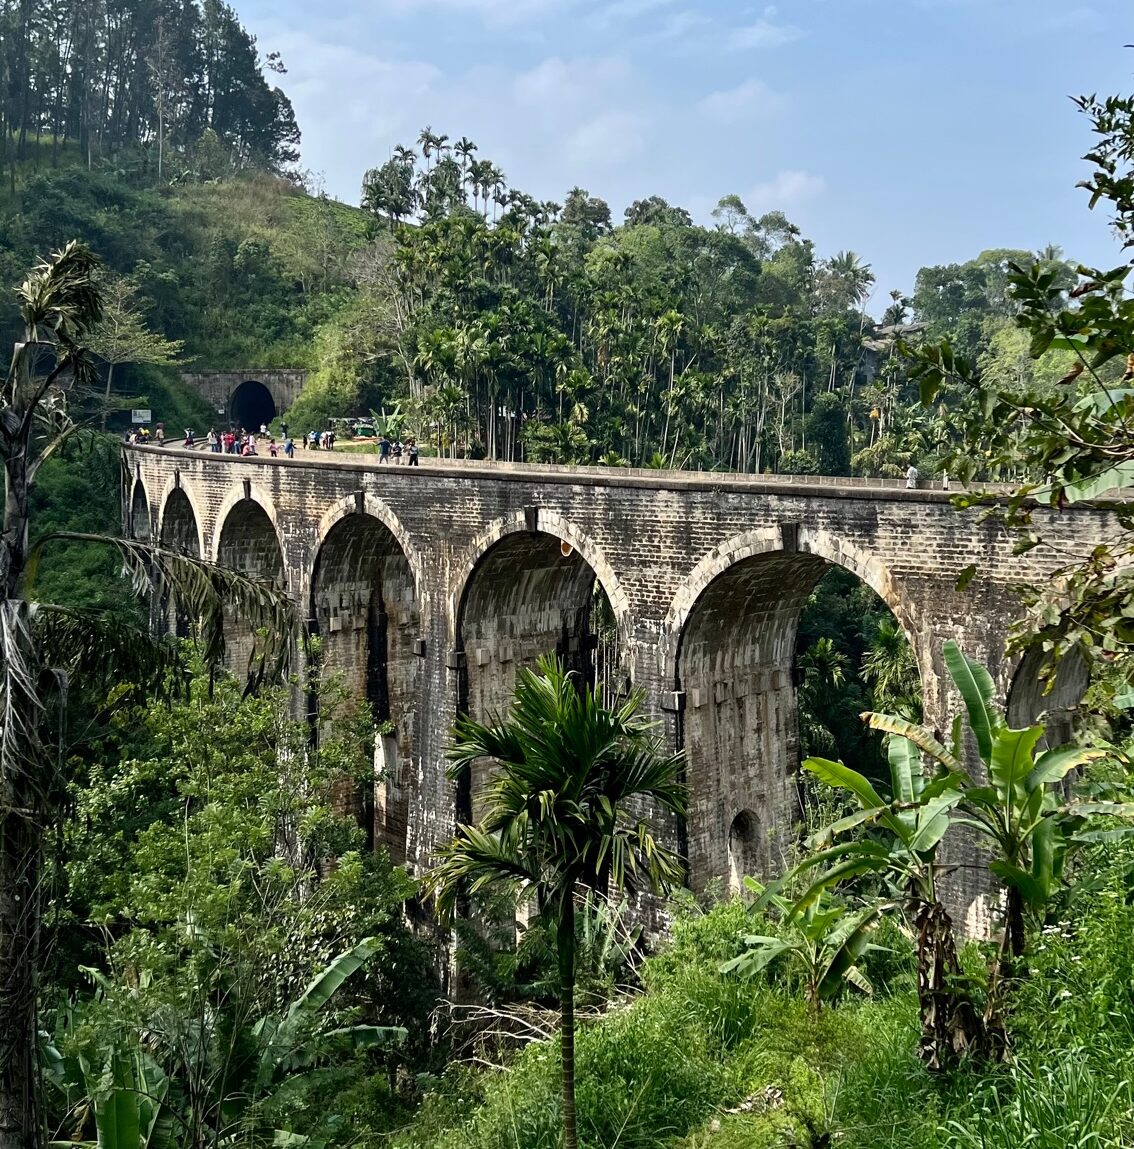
column 196, row 946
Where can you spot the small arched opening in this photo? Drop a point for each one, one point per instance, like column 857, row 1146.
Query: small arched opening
column 248, row 544
column 364, row 602
column 745, row 848
column 251, row 405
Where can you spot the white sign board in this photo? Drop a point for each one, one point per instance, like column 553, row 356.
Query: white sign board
column 141, row 415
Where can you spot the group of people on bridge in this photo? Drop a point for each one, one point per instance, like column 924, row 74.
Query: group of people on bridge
column 237, row 441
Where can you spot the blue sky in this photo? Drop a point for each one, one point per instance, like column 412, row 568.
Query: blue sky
column 912, row 131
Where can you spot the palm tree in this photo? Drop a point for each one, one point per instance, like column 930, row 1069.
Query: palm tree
column 668, row 328
column 853, row 277
column 43, row 646
column 890, row 669
column 428, row 142
column 557, row 817
column 465, row 148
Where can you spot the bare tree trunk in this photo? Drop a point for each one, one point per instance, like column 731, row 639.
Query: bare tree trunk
column 21, row 830
column 566, row 946
column 109, row 380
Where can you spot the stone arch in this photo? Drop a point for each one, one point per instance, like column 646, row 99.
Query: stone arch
column 365, row 604
column 141, row 521
column 545, row 522
column 179, row 530
column 180, row 525
column 729, row 649
column 526, row 588
column 247, row 491
column 247, row 541
column 376, row 509
column 250, row 404
column 764, row 540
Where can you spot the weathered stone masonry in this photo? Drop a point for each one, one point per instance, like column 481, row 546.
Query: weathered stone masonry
column 431, row 586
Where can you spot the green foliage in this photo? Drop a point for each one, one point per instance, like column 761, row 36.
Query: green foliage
column 205, row 108
column 1067, row 438
column 79, row 490
column 852, row 657
column 824, row 940
column 562, row 816
column 194, row 878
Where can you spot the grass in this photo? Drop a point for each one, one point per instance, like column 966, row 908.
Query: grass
column 702, row 1060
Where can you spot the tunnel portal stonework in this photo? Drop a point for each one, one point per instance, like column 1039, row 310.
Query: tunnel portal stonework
column 223, row 391
column 432, row 586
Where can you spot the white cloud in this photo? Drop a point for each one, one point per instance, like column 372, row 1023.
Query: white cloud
column 784, row 191
column 608, row 140
column 491, row 12
column 764, row 32
column 559, row 85
column 680, row 23
column 747, row 101
column 608, row 14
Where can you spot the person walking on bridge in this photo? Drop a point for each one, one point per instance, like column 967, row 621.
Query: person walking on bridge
column 411, row 448
column 384, row 449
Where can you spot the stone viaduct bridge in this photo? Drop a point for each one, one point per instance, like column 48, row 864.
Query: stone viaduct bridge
column 431, row 586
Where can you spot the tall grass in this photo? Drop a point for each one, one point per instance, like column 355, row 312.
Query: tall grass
column 701, row 1060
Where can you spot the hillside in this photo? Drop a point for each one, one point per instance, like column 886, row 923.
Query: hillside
column 244, row 271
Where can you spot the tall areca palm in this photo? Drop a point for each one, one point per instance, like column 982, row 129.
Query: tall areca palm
column 42, row 646
column 428, row 142
column 464, row 148
column 558, row 816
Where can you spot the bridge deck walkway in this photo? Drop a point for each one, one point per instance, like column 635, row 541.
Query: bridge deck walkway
column 829, row 486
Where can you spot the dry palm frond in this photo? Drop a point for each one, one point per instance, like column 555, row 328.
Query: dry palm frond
column 21, row 710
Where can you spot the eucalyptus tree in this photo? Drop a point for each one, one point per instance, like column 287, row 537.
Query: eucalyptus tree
column 42, row 646
column 561, row 817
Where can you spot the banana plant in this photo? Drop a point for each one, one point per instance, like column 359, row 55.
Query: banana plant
column 1017, row 808
column 822, row 938
column 897, row 835
column 122, row 1088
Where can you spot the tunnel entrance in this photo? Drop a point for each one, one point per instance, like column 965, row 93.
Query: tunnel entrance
column 251, row 404
column 760, row 673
